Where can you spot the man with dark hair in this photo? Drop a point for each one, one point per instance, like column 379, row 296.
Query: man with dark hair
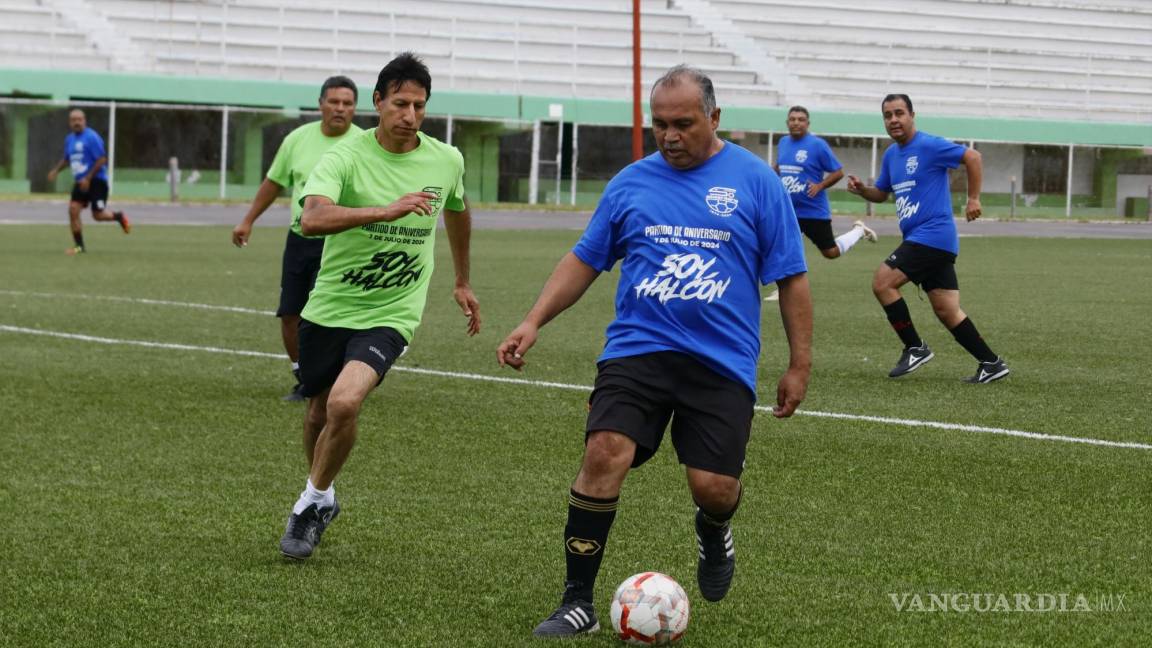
column 294, row 161
column 698, row 227
column 375, row 198
column 807, row 167
column 84, row 153
column 915, row 168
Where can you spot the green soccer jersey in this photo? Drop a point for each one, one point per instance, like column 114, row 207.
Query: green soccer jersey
column 377, row 274
column 298, row 155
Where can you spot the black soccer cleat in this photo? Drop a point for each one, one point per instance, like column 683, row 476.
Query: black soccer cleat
column 327, row 516
column 294, row 396
column 910, row 360
column 717, row 561
column 988, row 371
column 572, row 618
column 303, row 531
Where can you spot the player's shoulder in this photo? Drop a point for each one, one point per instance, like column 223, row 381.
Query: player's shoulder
column 439, row 148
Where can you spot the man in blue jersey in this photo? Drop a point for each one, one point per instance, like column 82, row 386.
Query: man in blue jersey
column 697, row 227
column 84, row 153
column 808, row 168
column 915, row 168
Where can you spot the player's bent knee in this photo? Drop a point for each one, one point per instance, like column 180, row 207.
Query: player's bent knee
column 343, row 408
column 608, row 453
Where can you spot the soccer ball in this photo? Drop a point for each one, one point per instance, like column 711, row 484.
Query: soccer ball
column 650, row 609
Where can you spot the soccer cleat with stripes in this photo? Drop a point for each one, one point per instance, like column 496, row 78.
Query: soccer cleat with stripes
column 75, row 250
column 988, row 371
column 572, row 618
column 910, row 360
column 717, row 561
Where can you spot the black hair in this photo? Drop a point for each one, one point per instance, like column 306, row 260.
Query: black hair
column 339, row 82
column 894, row 97
column 405, row 67
column 800, row 109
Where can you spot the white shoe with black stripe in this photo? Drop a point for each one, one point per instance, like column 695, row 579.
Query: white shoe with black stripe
column 570, row 619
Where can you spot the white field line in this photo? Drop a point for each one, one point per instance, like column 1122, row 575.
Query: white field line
column 138, row 300
column 585, row 388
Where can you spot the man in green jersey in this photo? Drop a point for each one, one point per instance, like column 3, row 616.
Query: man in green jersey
column 375, row 197
column 298, row 154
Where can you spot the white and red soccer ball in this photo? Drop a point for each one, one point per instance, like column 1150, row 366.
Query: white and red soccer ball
column 650, row 609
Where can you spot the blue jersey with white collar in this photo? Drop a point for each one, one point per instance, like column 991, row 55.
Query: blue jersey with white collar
column 695, row 246
column 917, row 173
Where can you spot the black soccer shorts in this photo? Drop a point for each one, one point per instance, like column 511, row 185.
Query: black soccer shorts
column 96, row 196
column 298, row 269
column 927, row 267
column 819, row 231
column 711, row 414
column 325, row 350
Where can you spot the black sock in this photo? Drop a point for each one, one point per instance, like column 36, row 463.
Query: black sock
column 589, row 520
column 78, row 238
column 720, row 519
column 969, row 338
column 901, row 321
column 118, row 217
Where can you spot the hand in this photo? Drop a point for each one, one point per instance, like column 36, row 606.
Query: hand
column 813, row 190
column 790, row 392
column 467, row 301
column 83, row 184
column 972, row 211
column 511, row 351
column 52, row 175
column 855, row 186
column 417, row 202
column 240, row 235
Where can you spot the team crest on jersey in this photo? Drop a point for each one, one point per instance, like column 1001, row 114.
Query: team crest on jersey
column 435, row 202
column 801, row 155
column 721, row 201
column 911, row 165
column 79, row 147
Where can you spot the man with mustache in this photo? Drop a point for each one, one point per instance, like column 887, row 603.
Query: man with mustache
column 698, row 227
column 915, row 168
column 375, row 197
column 297, row 156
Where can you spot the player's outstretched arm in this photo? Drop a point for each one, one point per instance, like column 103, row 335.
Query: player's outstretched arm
column 265, row 196
column 974, row 165
column 63, row 162
column 569, row 281
column 796, row 312
column 458, row 225
column 871, row 194
column 322, row 216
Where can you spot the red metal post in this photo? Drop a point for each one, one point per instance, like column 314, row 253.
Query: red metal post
column 637, row 113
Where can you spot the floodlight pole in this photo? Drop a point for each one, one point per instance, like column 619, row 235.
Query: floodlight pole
column 637, row 115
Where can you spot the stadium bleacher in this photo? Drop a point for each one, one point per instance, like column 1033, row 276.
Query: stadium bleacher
column 1047, row 59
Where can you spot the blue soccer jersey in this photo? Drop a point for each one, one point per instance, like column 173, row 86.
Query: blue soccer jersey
column 802, row 163
column 695, row 246
column 82, row 151
column 918, row 174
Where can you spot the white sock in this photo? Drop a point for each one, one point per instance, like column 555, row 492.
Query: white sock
column 846, row 240
column 312, row 495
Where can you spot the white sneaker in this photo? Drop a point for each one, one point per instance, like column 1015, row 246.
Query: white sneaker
column 869, row 233
column 775, row 296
